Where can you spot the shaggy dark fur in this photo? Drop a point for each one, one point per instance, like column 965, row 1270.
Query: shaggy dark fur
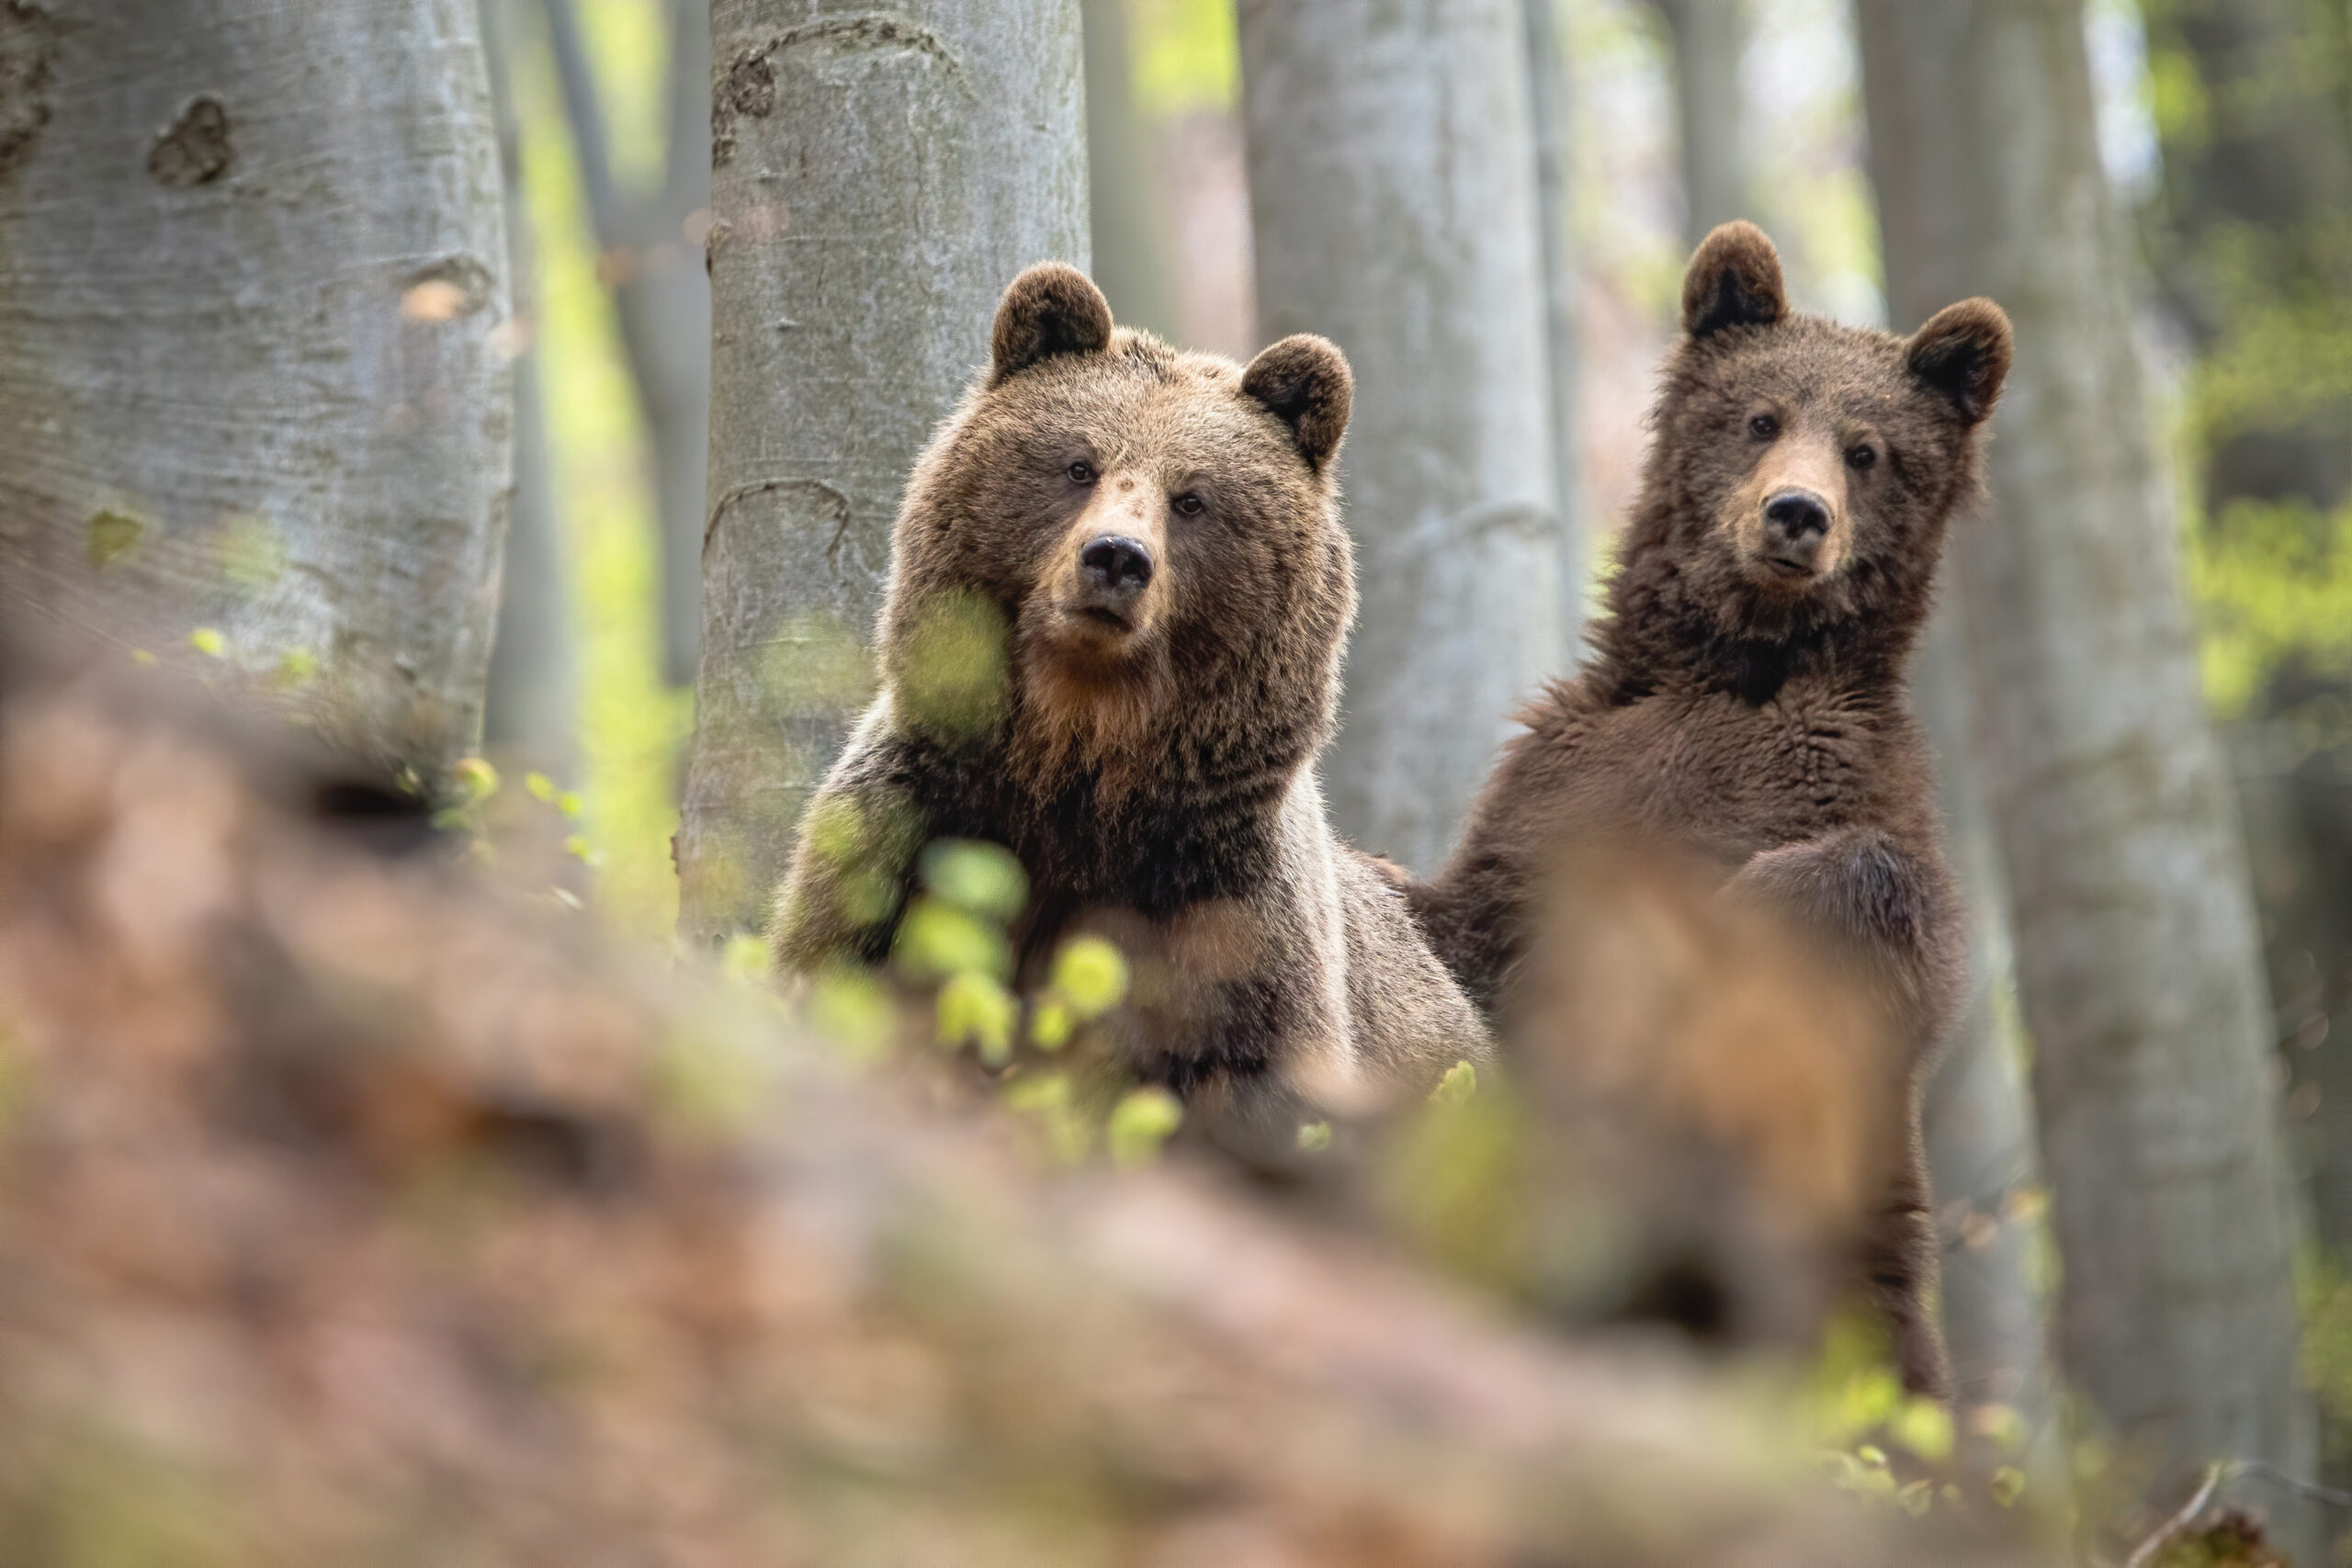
column 1745, row 702
column 1119, row 591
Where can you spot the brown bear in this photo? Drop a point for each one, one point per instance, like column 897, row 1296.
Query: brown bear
column 1745, row 702
column 1119, row 589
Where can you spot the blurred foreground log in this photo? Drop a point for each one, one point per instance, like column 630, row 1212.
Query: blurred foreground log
column 352, row 1214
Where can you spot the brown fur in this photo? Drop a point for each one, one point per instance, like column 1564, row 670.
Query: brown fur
column 1149, row 758
column 1753, row 714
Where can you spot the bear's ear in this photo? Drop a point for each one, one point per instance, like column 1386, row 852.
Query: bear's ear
column 1051, row 310
column 1734, row 280
column 1964, row 354
column 1306, row 381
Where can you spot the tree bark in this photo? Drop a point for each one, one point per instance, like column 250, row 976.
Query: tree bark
column 1709, row 43
column 252, row 267
column 531, row 715
column 1392, row 185
column 1552, row 113
column 1978, row 1122
column 879, row 177
column 651, row 245
column 2126, row 878
column 1133, row 252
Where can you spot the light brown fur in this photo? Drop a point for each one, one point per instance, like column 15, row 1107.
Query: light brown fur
column 1148, row 750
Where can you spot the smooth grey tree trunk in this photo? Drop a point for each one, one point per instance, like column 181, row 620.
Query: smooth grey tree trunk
column 879, row 177
column 1709, row 41
column 251, row 268
column 1552, row 112
column 1133, row 252
column 1978, row 1120
column 531, row 716
column 2136, row 945
column 651, row 254
column 1392, row 188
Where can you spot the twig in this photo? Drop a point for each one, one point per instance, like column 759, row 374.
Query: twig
column 2180, row 1521
column 586, row 116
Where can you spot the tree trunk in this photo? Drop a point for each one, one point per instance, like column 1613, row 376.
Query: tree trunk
column 651, row 245
column 878, row 179
column 1552, row 113
column 1133, row 249
column 2126, row 879
column 1392, row 185
column 531, row 715
column 1978, row 1124
column 251, row 270
column 1709, row 43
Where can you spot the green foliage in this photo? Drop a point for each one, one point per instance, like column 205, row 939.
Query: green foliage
column 974, row 1009
column 1089, row 976
column 2273, row 580
column 1187, row 56
column 936, row 939
column 952, row 672
column 981, row 879
column 1140, row 1124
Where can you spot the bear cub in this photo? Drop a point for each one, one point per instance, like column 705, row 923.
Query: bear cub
column 1111, row 642
column 1745, row 706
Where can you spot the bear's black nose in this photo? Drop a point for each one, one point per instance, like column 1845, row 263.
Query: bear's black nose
column 1114, row 567
column 1795, row 515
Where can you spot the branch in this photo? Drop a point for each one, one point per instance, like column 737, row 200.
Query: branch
column 584, row 114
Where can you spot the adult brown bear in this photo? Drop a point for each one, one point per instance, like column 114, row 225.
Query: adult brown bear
column 1745, row 705
column 1119, row 589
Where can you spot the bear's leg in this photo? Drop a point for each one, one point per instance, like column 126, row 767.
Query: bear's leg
column 1903, row 1266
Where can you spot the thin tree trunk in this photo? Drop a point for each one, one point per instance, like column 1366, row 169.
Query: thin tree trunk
column 1134, row 250
column 252, row 262
column 880, row 179
column 1710, row 42
column 1552, row 112
column 1978, row 1122
column 1392, row 185
column 2135, row 933
column 652, row 253
column 531, row 714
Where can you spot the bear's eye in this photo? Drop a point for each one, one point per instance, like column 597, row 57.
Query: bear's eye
column 1081, row 472
column 1763, row 427
column 1190, row 505
column 1860, row 457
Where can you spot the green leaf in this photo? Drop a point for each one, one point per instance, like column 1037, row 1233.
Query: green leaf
column 2007, row 1485
column 209, row 641
column 475, row 776
column 974, row 1010
column 1924, row 1427
column 1460, row 1081
column 979, row 878
column 1140, row 1124
column 541, row 786
column 937, row 939
column 1089, row 976
column 1314, row 1136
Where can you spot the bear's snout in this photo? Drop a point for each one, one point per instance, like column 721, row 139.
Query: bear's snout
column 1796, row 524
column 1114, row 569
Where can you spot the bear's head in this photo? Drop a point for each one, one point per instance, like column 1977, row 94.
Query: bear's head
column 1150, row 539
column 1801, row 472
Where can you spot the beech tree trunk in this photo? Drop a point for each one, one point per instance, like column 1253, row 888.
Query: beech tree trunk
column 1709, row 41
column 531, row 715
column 1392, row 188
column 651, row 246
column 252, row 267
column 1133, row 252
column 878, row 178
column 2136, row 942
column 1552, row 112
